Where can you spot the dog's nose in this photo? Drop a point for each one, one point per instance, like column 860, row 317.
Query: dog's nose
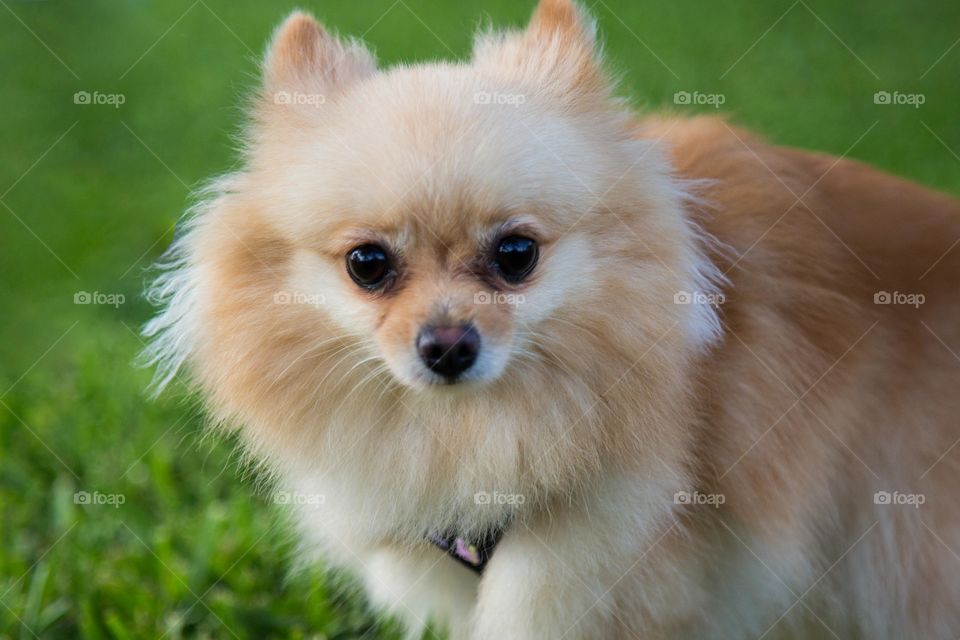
column 448, row 351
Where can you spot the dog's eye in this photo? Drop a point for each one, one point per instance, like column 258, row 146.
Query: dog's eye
column 515, row 257
column 368, row 265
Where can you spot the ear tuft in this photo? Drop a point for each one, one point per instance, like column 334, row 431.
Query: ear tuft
column 565, row 19
column 303, row 55
column 557, row 53
column 296, row 46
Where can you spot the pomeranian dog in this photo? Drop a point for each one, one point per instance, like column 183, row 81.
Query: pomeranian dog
column 530, row 365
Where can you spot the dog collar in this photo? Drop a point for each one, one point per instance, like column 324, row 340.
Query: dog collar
column 473, row 554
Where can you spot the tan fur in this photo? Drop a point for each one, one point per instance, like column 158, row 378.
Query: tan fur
column 597, row 398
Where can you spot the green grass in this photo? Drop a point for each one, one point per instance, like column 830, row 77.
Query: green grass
column 89, row 195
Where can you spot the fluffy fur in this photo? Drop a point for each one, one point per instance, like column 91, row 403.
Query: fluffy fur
column 600, row 396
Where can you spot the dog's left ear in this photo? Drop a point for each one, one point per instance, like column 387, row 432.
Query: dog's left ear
column 557, row 52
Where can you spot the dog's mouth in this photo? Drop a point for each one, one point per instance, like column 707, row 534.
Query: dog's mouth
column 460, row 381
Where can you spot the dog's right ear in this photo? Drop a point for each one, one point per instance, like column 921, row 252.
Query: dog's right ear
column 557, row 52
column 303, row 58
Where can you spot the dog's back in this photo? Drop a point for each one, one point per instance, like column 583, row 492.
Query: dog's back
column 838, row 377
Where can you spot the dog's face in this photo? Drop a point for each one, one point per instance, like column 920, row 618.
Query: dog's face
column 441, row 228
column 446, row 269
column 440, row 289
column 436, row 210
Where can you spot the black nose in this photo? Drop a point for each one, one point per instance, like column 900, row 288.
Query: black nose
column 448, row 351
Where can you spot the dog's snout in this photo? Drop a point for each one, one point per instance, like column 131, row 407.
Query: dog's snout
column 448, row 351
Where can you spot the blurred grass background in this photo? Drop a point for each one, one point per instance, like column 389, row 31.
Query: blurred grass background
column 89, row 195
